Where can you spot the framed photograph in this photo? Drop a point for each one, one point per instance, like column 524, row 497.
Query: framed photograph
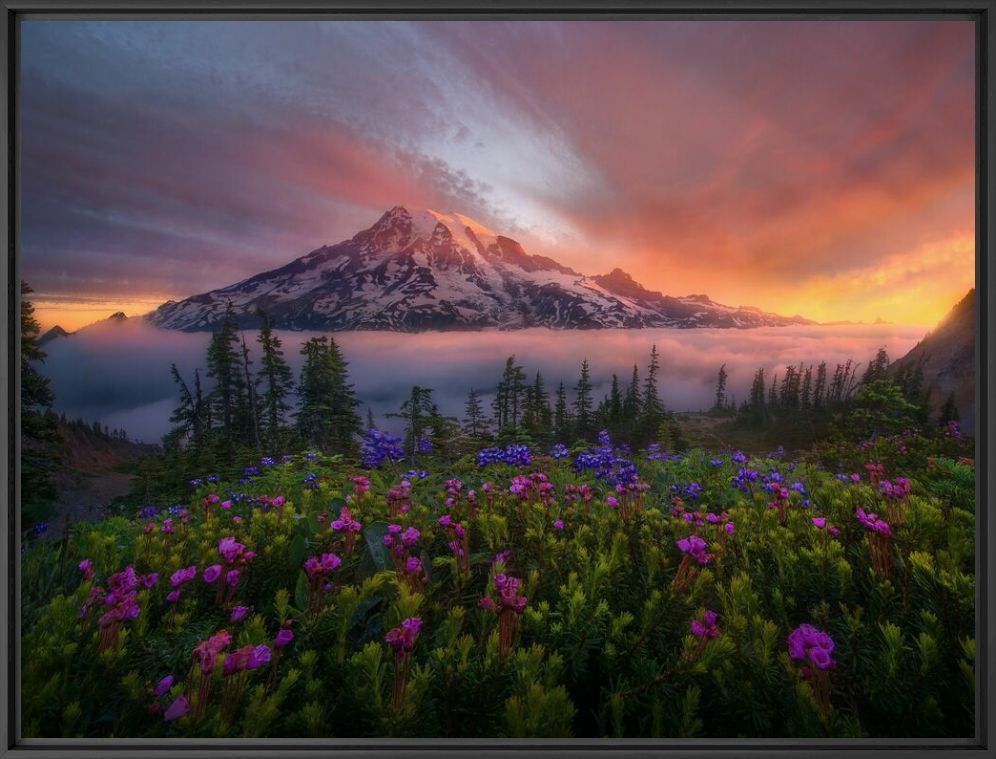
column 456, row 377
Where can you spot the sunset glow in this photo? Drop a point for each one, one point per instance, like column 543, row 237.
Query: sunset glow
column 821, row 168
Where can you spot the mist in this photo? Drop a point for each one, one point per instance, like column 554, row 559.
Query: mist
column 118, row 373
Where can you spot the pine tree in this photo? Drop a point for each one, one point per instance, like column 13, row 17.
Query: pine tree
column 773, row 393
column 277, row 381
column 878, row 368
column 820, row 386
column 653, row 410
column 41, row 446
column 631, row 401
column 252, row 407
column 756, row 406
column 419, row 413
column 538, row 417
column 562, row 422
column 327, row 416
column 189, row 419
column 475, row 422
column 721, row 388
column 806, row 395
column 229, row 396
column 583, row 403
column 615, row 405
column 508, row 396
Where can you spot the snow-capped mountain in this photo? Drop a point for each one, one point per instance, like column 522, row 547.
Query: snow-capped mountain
column 432, row 271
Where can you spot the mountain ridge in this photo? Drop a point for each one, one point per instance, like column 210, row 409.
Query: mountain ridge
column 428, row 270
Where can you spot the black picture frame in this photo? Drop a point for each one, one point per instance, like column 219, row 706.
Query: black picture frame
column 982, row 12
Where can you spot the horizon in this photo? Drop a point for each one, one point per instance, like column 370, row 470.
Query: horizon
column 819, row 168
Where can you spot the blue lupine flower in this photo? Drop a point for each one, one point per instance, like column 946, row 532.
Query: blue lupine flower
column 513, row 455
column 424, row 445
column 559, row 451
column 378, row 446
column 267, row 461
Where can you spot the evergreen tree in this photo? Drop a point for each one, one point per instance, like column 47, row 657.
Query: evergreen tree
column 773, row 393
column 229, row 396
column 756, row 407
column 820, row 386
column 806, row 395
column 721, row 388
column 475, row 422
column 508, row 396
column 252, row 408
column 538, row 418
column 653, row 410
column 420, row 415
column 190, row 419
column 41, row 447
column 562, row 422
column 878, row 368
column 631, row 401
column 277, row 382
column 615, row 406
column 327, row 416
column 583, row 404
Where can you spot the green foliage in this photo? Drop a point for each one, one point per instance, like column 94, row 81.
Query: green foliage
column 604, row 645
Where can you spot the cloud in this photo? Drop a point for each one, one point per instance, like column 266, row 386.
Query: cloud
column 119, row 373
column 758, row 161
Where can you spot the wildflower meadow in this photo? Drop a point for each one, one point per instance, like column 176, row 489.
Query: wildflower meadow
column 520, row 591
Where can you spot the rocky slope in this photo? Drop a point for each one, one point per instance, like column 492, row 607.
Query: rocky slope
column 432, row 271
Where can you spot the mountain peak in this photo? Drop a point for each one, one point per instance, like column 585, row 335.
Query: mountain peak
column 622, row 283
column 419, row 269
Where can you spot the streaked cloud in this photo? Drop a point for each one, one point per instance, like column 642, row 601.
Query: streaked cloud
column 778, row 164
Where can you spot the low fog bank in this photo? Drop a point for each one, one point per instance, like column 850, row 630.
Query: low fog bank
column 119, row 373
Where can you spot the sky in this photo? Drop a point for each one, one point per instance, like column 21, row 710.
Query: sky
column 821, row 168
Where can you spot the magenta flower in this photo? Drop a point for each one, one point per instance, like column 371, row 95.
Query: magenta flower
column 239, row 612
column 259, row 656
column 612, row 501
column 729, row 528
column 283, row 639
column 177, row 709
column 86, row 567
column 706, row 626
column 163, row 686
column 409, row 537
column 402, row 639
column 807, row 643
column 230, row 549
column 232, row 578
column 558, row 524
column 181, row 576
column 819, row 522
column 212, row 573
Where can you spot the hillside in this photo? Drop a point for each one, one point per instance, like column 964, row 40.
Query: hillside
column 947, row 354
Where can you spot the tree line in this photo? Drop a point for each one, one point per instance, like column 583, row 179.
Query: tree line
column 252, row 410
column 881, row 399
